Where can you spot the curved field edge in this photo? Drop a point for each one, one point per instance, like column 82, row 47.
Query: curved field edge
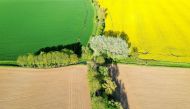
column 32, row 25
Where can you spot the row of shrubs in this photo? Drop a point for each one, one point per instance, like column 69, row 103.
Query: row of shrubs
column 112, row 47
column 48, row 60
column 101, row 14
column 101, row 85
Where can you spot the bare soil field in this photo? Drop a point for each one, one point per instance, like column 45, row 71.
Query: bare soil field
column 156, row 87
column 60, row 88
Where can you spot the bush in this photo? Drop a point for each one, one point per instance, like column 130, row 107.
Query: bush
column 22, row 60
column 109, row 86
column 94, row 83
column 103, row 103
column 75, row 47
column 73, row 59
column 87, row 53
column 98, row 103
column 103, row 71
column 99, row 60
column 134, row 52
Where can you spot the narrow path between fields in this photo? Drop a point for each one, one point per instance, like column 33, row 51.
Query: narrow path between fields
column 60, row 88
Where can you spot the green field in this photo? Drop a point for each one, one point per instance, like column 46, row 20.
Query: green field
column 28, row 25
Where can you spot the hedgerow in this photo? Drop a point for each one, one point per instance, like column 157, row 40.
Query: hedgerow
column 102, row 88
column 101, row 14
column 48, row 60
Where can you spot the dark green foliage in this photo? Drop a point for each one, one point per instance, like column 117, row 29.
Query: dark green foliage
column 48, row 60
column 98, row 103
column 122, row 34
column 103, row 71
column 118, row 34
column 94, row 83
column 102, row 88
column 134, row 52
column 103, row 103
column 75, row 47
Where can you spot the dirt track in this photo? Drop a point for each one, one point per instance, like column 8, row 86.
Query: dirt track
column 61, row 88
column 156, row 87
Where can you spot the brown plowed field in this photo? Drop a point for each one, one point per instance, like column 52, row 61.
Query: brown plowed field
column 156, row 87
column 60, row 88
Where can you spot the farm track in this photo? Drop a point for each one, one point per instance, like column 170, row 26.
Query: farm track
column 156, row 87
column 60, row 88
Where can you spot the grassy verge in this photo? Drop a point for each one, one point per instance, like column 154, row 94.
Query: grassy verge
column 8, row 64
column 95, row 20
column 122, row 61
column 153, row 63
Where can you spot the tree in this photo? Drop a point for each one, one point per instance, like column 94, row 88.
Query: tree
column 22, row 61
column 109, row 86
column 87, row 53
column 113, row 47
column 103, row 71
column 73, row 59
column 44, row 60
column 30, row 60
column 118, row 34
column 50, row 59
column 99, row 60
column 65, row 59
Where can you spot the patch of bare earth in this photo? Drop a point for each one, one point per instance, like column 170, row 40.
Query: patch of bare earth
column 156, row 87
column 60, row 88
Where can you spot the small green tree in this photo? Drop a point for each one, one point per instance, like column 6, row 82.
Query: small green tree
column 49, row 59
column 30, row 60
column 134, row 52
column 87, row 53
column 99, row 60
column 65, row 59
column 73, row 59
column 39, row 61
column 22, row 61
column 103, row 71
column 109, row 86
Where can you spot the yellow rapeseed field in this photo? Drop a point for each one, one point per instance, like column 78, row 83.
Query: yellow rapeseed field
column 159, row 28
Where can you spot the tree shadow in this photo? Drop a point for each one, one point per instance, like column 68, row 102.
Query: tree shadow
column 75, row 47
column 120, row 93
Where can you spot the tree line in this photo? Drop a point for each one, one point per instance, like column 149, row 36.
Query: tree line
column 48, row 60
